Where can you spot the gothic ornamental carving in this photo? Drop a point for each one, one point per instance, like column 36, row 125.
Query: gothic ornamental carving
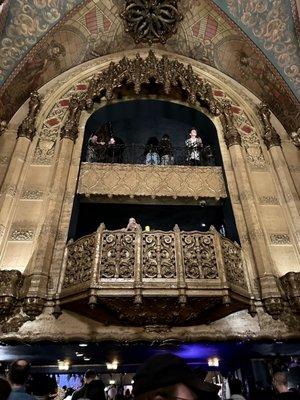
column 270, row 136
column 137, row 71
column 295, row 136
column 10, row 284
column 70, row 128
column 233, row 263
column 280, row 238
column 27, row 127
column 231, row 134
column 3, row 126
column 151, row 20
column 21, row 234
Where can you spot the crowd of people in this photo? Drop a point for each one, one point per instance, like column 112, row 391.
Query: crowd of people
column 162, row 377
column 104, row 146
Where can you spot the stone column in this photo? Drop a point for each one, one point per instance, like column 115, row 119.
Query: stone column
column 38, row 269
column 270, row 293
column 288, row 190
column 25, row 134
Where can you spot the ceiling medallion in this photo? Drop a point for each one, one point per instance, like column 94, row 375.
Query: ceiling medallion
column 151, row 20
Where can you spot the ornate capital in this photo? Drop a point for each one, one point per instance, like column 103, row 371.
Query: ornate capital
column 151, row 21
column 270, row 136
column 27, row 127
column 70, row 128
column 231, row 134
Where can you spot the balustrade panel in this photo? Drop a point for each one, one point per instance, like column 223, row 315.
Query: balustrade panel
column 158, row 255
column 79, row 261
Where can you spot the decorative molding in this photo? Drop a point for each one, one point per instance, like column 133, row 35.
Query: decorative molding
column 32, row 194
column 280, row 239
column 21, row 234
column 10, row 190
column 146, row 180
column 268, row 200
column 151, row 21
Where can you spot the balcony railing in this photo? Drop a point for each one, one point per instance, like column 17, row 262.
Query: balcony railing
column 110, row 266
column 140, row 154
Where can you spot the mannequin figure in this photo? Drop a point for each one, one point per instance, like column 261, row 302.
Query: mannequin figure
column 194, row 146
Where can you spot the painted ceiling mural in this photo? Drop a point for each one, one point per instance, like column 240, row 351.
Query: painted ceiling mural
column 95, row 29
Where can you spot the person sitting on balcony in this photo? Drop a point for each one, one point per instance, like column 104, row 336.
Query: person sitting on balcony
column 151, row 151
column 194, row 147
column 166, row 377
column 132, row 225
column 115, row 150
column 166, row 151
column 209, row 155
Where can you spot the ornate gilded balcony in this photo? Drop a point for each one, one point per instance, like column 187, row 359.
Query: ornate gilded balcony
column 154, row 277
column 173, row 181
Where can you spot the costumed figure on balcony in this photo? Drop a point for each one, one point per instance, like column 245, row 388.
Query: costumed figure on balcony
column 166, row 151
column 194, row 148
column 115, row 150
column 132, row 225
column 151, row 151
column 93, row 149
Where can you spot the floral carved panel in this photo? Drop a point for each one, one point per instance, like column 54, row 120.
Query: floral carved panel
column 145, row 180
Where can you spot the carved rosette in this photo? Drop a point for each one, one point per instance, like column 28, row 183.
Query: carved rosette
column 231, row 134
column 199, row 256
column 151, row 20
column 79, row 261
column 270, row 136
column 10, row 285
column 70, row 128
column 27, row 127
column 291, row 286
column 140, row 71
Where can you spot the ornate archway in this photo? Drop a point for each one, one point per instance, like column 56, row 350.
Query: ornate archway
column 64, row 111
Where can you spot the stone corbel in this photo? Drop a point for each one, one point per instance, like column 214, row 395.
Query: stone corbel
column 70, row 128
column 270, row 136
column 231, row 134
column 27, row 127
column 11, row 282
column 291, row 286
column 295, row 136
column 271, row 295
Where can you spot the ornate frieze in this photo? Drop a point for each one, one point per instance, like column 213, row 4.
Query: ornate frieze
column 280, row 238
column 151, row 21
column 21, row 234
column 270, row 136
column 146, row 180
column 231, row 134
column 27, row 127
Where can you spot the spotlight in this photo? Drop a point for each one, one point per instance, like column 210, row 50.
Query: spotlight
column 63, row 365
column 113, row 365
column 86, row 358
column 79, row 354
column 83, row 345
column 213, row 362
column 203, row 224
column 112, row 382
